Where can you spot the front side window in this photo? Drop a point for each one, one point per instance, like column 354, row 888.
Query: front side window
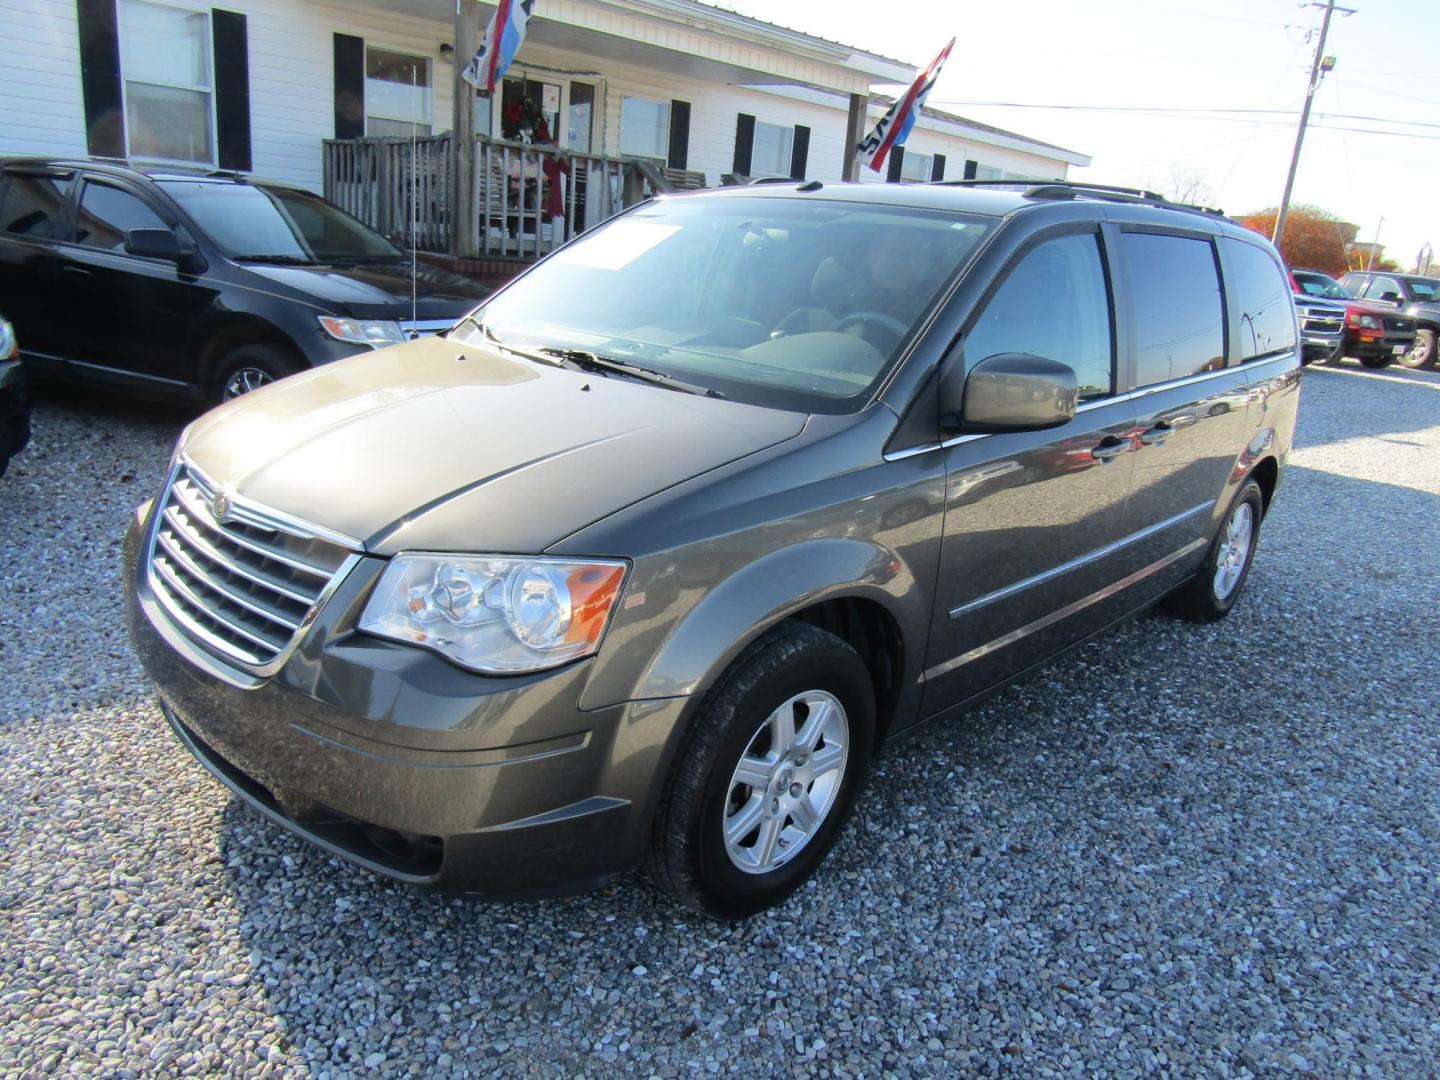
column 269, row 223
column 1179, row 314
column 916, row 166
column 165, row 57
column 34, row 206
column 770, row 153
column 1263, row 308
column 1383, row 286
column 783, row 302
column 1054, row 303
column 645, row 128
column 397, row 94
column 107, row 214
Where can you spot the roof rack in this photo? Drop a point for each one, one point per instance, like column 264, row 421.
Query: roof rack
column 1069, row 189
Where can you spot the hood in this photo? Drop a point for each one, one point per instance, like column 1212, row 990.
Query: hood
column 433, row 445
column 379, row 290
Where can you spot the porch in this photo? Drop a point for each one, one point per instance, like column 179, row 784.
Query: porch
column 525, row 199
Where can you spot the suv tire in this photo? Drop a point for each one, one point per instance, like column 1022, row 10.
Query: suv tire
column 744, row 716
column 1217, row 585
column 248, row 368
column 1376, row 361
column 1422, row 353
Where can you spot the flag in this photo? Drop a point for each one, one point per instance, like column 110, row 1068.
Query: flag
column 895, row 125
column 499, row 46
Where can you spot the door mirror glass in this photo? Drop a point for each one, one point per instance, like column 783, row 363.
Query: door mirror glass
column 1390, row 297
column 1015, row 392
column 153, row 244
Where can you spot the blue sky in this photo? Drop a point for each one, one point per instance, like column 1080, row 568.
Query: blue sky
column 1188, row 57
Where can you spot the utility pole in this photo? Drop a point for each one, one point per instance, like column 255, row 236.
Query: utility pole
column 1318, row 69
column 1370, row 262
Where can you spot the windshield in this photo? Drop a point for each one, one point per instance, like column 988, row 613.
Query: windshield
column 277, row 224
column 1423, row 290
column 1312, row 284
column 790, row 303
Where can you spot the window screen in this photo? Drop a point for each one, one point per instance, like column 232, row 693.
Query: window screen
column 1263, row 308
column 33, row 206
column 1179, row 315
column 165, row 53
column 644, row 127
column 770, row 153
column 1055, row 303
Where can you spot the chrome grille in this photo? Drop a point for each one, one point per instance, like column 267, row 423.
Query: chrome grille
column 240, row 581
column 1322, row 324
column 1400, row 326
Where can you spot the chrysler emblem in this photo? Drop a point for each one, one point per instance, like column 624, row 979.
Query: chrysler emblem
column 220, row 506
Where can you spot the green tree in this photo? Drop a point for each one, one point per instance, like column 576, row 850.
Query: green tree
column 1314, row 239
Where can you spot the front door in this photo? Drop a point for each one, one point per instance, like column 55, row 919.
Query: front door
column 139, row 310
column 1035, row 522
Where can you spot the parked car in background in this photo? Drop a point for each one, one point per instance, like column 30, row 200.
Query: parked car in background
column 1375, row 334
column 644, row 577
column 199, row 285
column 14, row 398
column 1411, row 295
column 1322, row 321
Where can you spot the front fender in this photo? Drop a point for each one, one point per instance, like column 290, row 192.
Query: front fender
column 705, row 638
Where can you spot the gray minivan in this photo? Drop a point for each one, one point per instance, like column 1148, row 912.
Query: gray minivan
column 643, row 561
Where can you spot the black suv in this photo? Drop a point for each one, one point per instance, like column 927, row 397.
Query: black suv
column 1408, row 294
column 198, row 285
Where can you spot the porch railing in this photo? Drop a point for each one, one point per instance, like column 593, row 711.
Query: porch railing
column 527, row 199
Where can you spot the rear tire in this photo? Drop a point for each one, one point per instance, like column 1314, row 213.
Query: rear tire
column 1422, row 353
column 249, row 367
column 1215, row 588
column 729, row 847
column 1377, row 361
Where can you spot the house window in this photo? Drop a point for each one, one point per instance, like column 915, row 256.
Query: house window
column 987, row 172
column 644, row 128
column 397, row 93
column 916, row 166
column 771, row 151
column 169, row 87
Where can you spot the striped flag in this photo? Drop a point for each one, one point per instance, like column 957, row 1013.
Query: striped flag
column 895, row 125
column 501, row 42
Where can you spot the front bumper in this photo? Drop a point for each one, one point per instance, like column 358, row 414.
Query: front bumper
column 397, row 760
column 1376, row 347
column 14, row 409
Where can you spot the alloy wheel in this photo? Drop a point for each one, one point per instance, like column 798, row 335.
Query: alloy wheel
column 245, row 379
column 786, row 782
column 1234, row 551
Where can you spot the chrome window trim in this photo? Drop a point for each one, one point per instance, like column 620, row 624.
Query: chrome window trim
column 1079, row 561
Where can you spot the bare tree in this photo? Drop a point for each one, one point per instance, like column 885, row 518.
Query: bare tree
column 1184, row 183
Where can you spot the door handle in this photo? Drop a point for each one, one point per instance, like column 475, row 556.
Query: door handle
column 1110, row 449
column 1157, row 435
column 75, row 271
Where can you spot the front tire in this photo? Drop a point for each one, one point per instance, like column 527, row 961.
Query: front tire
column 247, row 368
column 1213, row 591
column 1422, row 353
column 1376, row 361
column 767, row 775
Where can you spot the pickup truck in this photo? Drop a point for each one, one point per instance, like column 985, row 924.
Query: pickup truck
column 1374, row 334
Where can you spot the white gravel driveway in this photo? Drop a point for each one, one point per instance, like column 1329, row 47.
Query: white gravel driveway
column 1184, row 850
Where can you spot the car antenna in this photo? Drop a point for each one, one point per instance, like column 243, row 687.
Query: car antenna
column 414, row 206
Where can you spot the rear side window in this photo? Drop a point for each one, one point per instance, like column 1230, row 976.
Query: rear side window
column 107, row 214
column 1262, row 300
column 34, row 206
column 1055, row 303
column 1179, row 316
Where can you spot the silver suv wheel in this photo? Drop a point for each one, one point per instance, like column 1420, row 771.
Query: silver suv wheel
column 786, row 781
column 245, row 379
column 1236, row 539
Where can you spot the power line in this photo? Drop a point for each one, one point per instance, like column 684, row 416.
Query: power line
column 1390, row 93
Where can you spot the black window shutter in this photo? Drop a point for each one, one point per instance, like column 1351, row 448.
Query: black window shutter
column 970, row 169
column 232, row 90
column 100, row 77
column 679, row 134
column 744, row 143
column 937, row 167
column 799, row 151
column 349, row 86
column 897, row 157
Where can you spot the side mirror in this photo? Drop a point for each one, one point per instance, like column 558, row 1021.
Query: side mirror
column 164, row 244
column 1010, row 392
column 1390, row 297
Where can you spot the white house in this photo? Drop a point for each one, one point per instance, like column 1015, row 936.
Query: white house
column 261, row 86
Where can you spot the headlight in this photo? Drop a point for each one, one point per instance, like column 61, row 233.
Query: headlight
column 377, row 333
column 9, row 347
column 496, row 614
column 1367, row 322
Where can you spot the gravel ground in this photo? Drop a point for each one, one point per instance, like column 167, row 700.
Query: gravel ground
column 1187, row 850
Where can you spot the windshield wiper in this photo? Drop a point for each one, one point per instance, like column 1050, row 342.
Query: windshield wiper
column 586, row 360
column 276, row 260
